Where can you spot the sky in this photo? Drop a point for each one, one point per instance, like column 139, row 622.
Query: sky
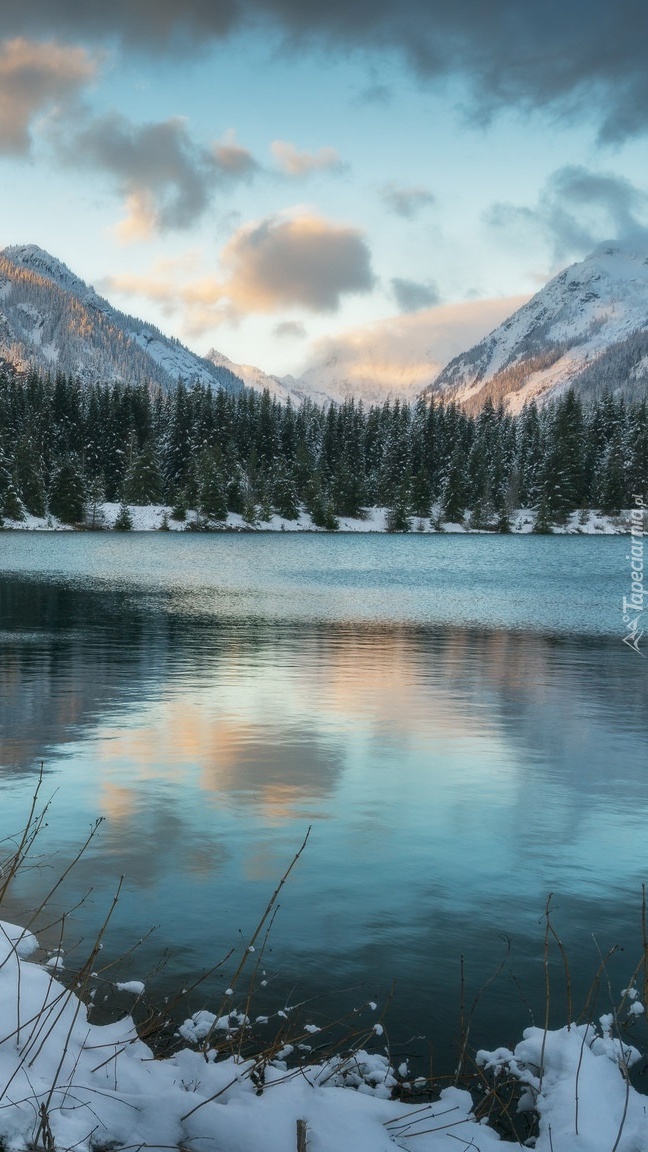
column 288, row 181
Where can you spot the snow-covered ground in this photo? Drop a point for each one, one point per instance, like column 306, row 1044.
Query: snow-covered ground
column 66, row 1083
column 150, row 518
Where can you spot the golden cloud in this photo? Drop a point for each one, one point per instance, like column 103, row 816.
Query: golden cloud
column 294, row 163
column 401, row 354
column 303, row 261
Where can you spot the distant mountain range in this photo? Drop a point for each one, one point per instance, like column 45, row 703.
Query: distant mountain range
column 588, row 327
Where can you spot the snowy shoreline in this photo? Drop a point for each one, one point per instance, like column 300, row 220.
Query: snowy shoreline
column 68, row 1083
column 157, row 517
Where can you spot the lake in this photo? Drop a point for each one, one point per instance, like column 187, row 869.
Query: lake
column 454, row 716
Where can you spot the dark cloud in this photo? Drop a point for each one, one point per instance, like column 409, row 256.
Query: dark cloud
column 166, row 177
column 576, row 210
column 293, row 329
column 406, row 201
column 574, row 55
column 411, row 295
column 32, row 78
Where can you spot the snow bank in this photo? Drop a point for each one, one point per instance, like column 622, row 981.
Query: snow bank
column 583, row 1098
column 66, row 1083
column 82, row 1086
column 150, row 518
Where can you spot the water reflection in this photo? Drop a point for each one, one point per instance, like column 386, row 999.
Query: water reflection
column 453, row 777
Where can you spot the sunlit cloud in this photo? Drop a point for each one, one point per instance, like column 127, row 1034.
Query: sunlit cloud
column 232, row 158
column 294, row 163
column 402, row 354
column 271, row 264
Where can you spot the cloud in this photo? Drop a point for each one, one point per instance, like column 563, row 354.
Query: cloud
column 307, row 261
column 403, row 354
column 165, row 176
column 290, row 328
column 294, row 163
column 33, row 76
column 563, row 55
column 303, row 261
column 411, row 295
column 232, row 158
column 576, row 210
column 375, row 93
column 406, row 202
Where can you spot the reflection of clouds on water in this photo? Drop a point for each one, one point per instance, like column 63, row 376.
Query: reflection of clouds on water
column 151, row 840
column 453, row 778
column 183, row 745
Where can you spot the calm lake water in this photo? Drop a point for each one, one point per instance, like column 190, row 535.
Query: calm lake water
column 455, row 716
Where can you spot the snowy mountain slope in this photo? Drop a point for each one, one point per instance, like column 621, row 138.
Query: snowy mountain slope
column 52, row 320
column 283, row 387
column 588, row 327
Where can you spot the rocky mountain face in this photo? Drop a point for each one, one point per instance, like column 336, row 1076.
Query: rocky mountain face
column 51, row 320
column 587, row 328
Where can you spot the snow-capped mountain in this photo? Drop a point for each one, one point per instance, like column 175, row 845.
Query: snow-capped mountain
column 283, row 387
column 587, row 328
column 53, row 321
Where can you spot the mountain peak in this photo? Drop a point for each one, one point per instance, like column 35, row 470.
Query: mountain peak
column 587, row 328
column 52, row 320
column 36, row 259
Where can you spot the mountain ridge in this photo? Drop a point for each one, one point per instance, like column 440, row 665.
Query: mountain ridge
column 52, row 320
column 587, row 328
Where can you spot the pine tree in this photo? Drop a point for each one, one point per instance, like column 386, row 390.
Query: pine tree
column 29, row 473
column 612, row 483
column 12, row 506
column 179, row 510
column 542, row 524
column 212, row 495
column 124, row 521
column 563, row 472
column 420, row 495
column 454, row 492
column 95, row 496
column 284, row 495
column 143, row 480
column 67, row 492
column 397, row 518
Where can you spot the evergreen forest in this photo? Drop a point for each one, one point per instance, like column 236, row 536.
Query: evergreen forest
column 65, row 447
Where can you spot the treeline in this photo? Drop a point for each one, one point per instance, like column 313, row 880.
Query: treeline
column 66, row 447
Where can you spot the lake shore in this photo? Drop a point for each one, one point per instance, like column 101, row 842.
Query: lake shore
column 69, row 1083
column 157, row 517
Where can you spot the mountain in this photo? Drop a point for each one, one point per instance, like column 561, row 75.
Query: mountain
column 587, row 328
column 53, row 321
column 283, row 387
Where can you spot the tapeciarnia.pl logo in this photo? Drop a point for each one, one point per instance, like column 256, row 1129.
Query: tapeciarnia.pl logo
column 633, row 605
